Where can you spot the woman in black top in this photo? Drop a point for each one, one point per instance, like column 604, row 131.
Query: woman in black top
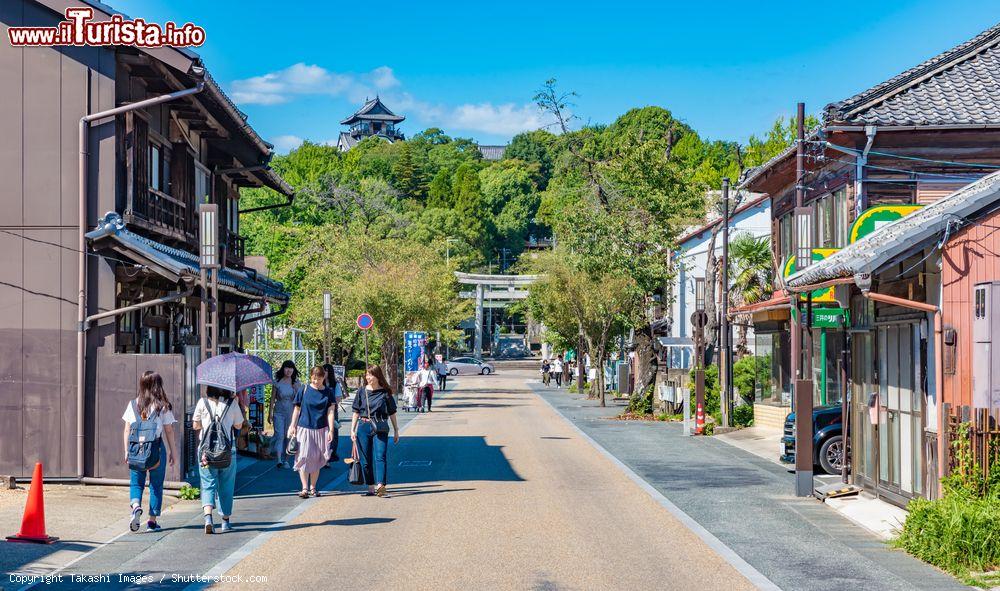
column 374, row 407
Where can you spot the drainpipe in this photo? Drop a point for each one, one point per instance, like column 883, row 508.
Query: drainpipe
column 81, row 302
column 938, row 361
column 155, row 302
column 860, row 198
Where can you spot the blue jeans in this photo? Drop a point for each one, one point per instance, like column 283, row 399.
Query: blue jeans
column 137, row 483
column 372, row 449
column 279, row 443
column 218, row 486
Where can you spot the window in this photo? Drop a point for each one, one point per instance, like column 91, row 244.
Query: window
column 785, row 236
column 202, row 183
column 831, row 220
column 159, row 167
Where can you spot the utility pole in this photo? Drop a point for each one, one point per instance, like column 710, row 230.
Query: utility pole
column 698, row 321
column 726, row 375
column 803, row 398
column 579, row 361
column 326, row 326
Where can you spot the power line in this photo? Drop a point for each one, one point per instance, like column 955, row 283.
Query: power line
column 903, row 157
column 69, row 248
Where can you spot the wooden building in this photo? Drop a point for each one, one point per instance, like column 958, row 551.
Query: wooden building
column 146, row 171
column 876, row 157
column 373, row 119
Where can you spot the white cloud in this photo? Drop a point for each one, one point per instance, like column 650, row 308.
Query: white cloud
column 282, row 86
column 300, row 79
column 286, row 143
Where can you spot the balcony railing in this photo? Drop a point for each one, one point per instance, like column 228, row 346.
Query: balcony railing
column 235, row 249
column 162, row 213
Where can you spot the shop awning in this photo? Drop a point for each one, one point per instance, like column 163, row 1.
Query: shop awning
column 176, row 264
column 776, row 302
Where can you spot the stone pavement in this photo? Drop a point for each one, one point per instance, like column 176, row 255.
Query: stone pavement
column 265, row 499
column 747, row 502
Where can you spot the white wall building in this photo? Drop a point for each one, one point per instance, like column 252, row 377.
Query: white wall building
column 752, row 216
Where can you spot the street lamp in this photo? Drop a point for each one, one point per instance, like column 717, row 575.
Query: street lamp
column 804, row 230
column 208, row 241
column 699, row 293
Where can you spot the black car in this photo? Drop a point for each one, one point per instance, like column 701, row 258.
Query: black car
column 828, row 441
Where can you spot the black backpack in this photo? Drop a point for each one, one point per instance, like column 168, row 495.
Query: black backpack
column 216, row 449
column 143, row 444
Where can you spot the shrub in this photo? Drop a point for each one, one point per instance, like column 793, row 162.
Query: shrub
column 745, row 377
column 959, row 532
column 641, row 403
column 188, row 492
column 743, row 415
column 712, row 406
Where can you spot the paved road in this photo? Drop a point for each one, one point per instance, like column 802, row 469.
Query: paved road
column 493, row 490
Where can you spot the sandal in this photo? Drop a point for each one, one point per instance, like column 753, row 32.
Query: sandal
column 380, row 490
column 304, row 494
column 315, row 493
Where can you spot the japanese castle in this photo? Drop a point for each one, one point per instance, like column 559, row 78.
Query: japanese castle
column 373, row 118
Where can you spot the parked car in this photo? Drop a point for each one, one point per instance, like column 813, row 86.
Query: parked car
column 469, row 366
column 828, row 441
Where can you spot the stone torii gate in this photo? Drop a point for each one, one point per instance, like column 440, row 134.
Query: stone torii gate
column 506, row 288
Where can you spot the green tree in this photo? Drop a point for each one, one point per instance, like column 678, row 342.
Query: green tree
column 534, row 147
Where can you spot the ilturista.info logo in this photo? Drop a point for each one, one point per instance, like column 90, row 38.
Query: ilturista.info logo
column 79, row 28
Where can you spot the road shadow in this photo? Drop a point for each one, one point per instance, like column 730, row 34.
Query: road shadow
column 447, row 459
column 409, row 492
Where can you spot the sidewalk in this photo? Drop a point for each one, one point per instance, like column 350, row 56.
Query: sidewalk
column 747, row 502
column 877, row 516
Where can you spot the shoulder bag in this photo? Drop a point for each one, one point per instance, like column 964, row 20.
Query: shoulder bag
column 381, row 425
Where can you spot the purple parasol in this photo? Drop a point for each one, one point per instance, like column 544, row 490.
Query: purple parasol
column 234, row 371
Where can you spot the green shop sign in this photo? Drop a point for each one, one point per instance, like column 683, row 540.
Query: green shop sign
column 830, row 317
column 874, row 218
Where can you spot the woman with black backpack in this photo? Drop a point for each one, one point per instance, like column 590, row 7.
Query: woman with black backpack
column 149, row 446
column 216, row 416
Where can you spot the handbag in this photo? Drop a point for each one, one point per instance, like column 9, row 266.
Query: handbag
column 381, row 425
column 293, row 446
column 355, row 474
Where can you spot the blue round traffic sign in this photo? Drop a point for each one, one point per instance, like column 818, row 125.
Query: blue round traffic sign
column 365, row 321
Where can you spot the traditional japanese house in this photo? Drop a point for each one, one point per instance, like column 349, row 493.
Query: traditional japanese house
column 879, row 156
column 126, row 186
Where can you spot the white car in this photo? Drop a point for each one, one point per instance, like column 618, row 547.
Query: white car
column 469, row 366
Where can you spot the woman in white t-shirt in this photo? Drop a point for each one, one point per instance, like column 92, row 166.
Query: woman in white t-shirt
column 151, row 403
column 217, row 484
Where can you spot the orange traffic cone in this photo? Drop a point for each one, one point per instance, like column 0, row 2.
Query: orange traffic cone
column 33, row 522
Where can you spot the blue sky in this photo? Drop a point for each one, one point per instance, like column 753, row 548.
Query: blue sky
column 727, row 68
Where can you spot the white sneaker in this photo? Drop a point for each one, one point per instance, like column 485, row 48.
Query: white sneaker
column 136, row 518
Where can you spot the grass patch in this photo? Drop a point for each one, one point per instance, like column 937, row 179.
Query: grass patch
column 960, row 532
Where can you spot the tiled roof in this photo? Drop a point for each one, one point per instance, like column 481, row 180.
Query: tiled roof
column 176, row 263
column 492, row 152
column 958, row 87
column 373, row 109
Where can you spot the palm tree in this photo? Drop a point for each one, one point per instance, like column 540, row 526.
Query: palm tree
column 751, row 269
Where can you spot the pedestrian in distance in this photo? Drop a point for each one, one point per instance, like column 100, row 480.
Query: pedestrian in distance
column 426, row 381
column 442, row 373
column 311, row 421
column 285, row 388
column 337, row 386
column 546, row 370
column 373, row 409
column 557, row 371
column 149, row 406
column 218, row 483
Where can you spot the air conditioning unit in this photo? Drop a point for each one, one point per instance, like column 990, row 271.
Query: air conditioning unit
column 985, row 353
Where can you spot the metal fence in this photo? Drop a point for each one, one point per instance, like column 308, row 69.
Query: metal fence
column 304, row 359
